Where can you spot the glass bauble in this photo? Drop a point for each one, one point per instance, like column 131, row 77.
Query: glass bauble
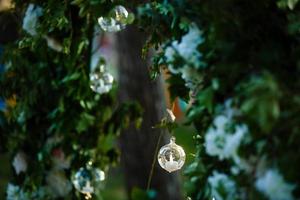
column 171, row 157
column 115, row 21
column 87, row 179
column 100, row 80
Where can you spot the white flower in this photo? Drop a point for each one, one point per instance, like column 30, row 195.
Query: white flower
column 273, row 185
column 222, row 187
column 59, row 185
column 221, row 142
column 19, row 162
column 215, row 143
column 235, row 170
column 220, row 122
column 30, row 20
column 229, row 110
column 187, row 50
column 170, row 54
column 14, row 192
column 53, row 44
column 234, row 140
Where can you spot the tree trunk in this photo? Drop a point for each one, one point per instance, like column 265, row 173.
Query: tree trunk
column 8, row 27
column 138, row 146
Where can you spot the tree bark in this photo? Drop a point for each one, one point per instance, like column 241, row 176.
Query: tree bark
column 138, row 146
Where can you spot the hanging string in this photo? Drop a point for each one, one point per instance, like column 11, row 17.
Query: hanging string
column 155, row 155
column 154, row 160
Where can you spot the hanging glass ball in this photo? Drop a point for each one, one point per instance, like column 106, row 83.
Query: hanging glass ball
column 171, row 157
column 115, row 21
column 120, row 13
column 100, row 80
column 86, row 180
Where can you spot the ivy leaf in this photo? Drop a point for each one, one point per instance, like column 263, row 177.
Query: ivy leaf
column 292, row 3
column 177, row 88
column 86, row 120
column 262, row 101
column 107, row 142
column 205, row 99
column 71, row 77
column 129, row 19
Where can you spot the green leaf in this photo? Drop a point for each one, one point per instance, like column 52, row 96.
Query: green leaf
column 71, row 77
column 86, row 120
column 205, row 99
column 107, row 142
column 82, row 45
column 130, row 19
column 261, row 102
column 292, row 3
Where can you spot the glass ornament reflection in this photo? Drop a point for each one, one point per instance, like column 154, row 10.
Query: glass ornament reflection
column 101, row 81
column 171, row 157
column 115, row 21
column 86, row 180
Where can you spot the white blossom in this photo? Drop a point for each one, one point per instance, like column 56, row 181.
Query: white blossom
column 14, row 192
column 170, row 54
column 19, row 162
column 235, row 170
column 222, row 187
column 58, row 184
column 186, row 49
column 30, row 20
column 170, row 58
column 221, row 141
column 230, row 111
column 273, row 186
column 221, row 121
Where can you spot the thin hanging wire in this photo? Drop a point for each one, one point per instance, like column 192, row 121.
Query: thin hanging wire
column 155, row 155
column 154, row 160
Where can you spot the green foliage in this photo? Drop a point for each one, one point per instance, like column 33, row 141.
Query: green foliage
column 52, row 107
column 291, row 4
column 261, row 101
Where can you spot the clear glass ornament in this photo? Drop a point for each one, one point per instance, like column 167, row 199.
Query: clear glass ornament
column 100, row 80
column 121, row 14
column 171, row 157
column 86, row 180
column 115, row 21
